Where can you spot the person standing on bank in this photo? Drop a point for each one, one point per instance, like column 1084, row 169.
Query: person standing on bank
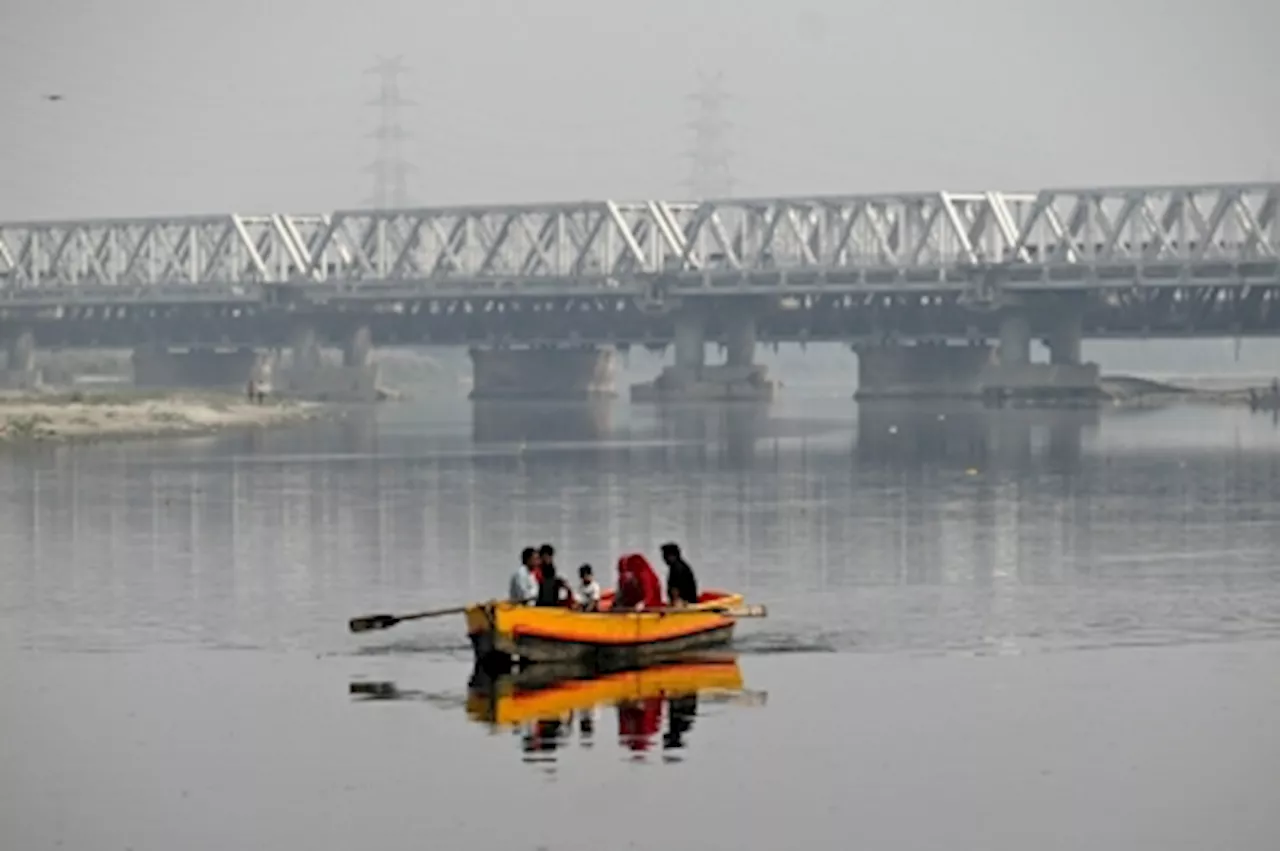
column 524, row 582
column 682, row 586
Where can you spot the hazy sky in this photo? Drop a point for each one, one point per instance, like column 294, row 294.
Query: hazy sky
column 174, row 106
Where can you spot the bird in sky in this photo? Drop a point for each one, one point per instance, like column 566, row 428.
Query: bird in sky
column 53, row 98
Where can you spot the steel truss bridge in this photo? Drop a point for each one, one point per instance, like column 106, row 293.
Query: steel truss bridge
column 1163, row 260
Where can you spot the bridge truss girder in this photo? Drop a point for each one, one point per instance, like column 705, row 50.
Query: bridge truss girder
column 220, row 252
column 941, row 239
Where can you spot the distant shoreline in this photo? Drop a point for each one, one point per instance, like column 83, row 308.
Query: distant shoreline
column 83, row 416
column 1135, row 391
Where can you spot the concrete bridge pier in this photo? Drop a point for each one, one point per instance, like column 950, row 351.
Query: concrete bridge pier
column 1013, row 377
column 1066, row 332
column 690, row 343
column 740, row 339
column 310, row 375
column 212, row 367
column 977, row 369
column 20, row 371
column 1015, row 339
column 358, row 349
column 304, row 349
column 692, row 379
column 545, row 373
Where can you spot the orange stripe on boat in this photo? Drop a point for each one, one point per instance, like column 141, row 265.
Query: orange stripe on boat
column 633, row 636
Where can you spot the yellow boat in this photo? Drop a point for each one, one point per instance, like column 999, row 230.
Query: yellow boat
column 503, row 631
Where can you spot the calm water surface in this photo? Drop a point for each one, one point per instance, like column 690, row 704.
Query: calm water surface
column 986, row 631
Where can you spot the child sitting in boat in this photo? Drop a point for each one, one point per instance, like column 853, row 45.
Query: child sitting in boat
column 589, row 590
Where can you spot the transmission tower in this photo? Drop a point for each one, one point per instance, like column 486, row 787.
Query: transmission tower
column 709, row 175
column 390, row 169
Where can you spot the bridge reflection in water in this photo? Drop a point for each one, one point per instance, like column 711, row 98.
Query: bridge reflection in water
column 918, row 434
column 495, row 421
column 556, row 707
column 894, row 434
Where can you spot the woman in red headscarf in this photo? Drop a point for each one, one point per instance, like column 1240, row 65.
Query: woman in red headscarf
column 637, row 584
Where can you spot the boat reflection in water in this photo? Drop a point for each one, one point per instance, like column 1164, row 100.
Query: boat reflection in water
column 553, row 707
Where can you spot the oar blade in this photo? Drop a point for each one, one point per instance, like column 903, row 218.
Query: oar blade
column 372, row 622
column 756, row 611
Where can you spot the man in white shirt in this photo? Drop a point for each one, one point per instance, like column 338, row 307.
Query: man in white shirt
column 524, row 582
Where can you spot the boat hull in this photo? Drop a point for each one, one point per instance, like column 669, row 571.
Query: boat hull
column 503, row 632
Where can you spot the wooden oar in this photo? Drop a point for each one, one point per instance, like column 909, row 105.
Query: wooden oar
column 371, row 622
column 757, row 611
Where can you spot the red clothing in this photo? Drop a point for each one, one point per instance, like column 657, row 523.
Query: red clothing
column 637, row 583
column 629, row 594
column 639, row 722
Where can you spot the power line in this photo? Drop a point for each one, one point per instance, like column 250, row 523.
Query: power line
column 390, row 169
column 709, row 174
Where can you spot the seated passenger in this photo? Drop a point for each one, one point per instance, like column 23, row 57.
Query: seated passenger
column 588, row 590
column 629, row 593
column 524, row 582
column 638, row 585
column 546, row 556
column 552, row 590
column 682, row 586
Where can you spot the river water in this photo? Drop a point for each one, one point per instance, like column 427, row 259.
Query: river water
column 998, row 631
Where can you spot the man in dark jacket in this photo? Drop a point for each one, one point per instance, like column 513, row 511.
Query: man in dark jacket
column 682, row 587
column 552, row 590
column 546, row 556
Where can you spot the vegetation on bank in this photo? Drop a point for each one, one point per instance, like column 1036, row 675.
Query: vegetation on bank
column 31, row 416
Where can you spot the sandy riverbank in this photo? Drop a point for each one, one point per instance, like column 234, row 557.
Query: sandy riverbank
column 83, row 416
column 1132, row 391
